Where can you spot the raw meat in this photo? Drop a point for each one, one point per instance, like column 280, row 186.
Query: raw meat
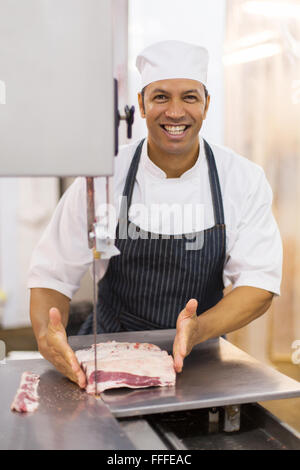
column 132, row 365
column 27, row 398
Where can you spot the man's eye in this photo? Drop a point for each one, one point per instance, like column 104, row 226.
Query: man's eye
column 191, row 97
column 160, row 97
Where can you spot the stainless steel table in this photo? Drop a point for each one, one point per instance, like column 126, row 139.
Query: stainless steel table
column 67, row 418
column 215, row 374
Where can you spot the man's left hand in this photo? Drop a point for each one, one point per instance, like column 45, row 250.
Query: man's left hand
column 186, row 333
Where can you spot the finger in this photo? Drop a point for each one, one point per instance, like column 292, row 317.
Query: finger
column 72, row 363
column 55, row 317
column 73, row 372
column 179, row 353
column 191, row 307
column 66, row 370
column 189, row 311
column 178, row 362
column 81, row 377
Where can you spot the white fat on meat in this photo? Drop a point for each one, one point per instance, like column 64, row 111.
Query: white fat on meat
column 133, row 365
column 27, row 398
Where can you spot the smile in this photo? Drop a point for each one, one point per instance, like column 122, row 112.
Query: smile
column 175, row 130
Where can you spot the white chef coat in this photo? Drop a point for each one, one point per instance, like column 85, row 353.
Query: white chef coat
column 253, row 242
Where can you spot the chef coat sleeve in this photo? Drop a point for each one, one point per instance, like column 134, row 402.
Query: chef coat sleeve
column 62, row 255
column 255, row 255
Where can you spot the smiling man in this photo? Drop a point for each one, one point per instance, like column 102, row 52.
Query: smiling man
column 156, row 282
column 176, row 109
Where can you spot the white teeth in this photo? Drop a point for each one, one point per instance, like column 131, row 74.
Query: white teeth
column 175, row 130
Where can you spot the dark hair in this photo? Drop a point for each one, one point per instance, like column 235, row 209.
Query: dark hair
column 143, row 94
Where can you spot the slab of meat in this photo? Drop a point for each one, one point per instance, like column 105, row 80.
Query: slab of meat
column 132, row 365
column 27, row 398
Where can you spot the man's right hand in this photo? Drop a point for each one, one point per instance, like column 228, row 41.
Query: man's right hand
column 53, row 345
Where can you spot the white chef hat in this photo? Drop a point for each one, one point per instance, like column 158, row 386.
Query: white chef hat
column 172, row 59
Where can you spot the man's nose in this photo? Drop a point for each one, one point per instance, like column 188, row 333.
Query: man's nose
column 175, row 110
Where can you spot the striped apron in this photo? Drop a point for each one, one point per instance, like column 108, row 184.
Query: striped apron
column 150, row 282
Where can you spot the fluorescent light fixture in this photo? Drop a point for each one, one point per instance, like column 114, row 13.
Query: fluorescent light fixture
column 273, row 9
column 252, row 54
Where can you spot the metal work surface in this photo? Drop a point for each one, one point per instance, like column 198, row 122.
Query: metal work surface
column 67, row 418
column 216, row 373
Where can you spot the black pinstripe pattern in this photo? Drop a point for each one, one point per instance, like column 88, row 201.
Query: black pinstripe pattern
column 150, row 282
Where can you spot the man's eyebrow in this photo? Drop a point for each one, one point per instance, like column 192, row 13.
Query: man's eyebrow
column 191, row 91
column 159, row 90
column 165, row 92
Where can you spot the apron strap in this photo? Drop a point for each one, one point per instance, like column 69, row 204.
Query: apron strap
column 129, row 185
column 214, row 185
column 130, row 179
column 213, row 179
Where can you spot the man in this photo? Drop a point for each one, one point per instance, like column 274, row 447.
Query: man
column 158, row 280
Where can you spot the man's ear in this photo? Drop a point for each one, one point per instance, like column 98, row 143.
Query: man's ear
column 141, row 106
column 206, row 106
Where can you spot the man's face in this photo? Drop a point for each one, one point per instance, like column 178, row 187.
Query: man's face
column 174, row 111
